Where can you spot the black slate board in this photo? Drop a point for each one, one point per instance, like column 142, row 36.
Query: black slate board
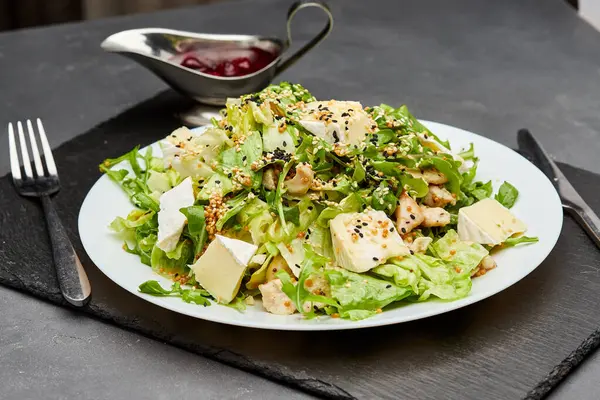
column 505, row 345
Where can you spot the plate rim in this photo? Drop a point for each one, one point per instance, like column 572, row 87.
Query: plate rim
column 342, row 324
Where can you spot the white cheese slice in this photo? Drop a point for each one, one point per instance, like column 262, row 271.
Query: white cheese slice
column 362, row 241
column 293, row 254
column 221, row 268
column 488, row 222
column 170, row 220
column 343, row 122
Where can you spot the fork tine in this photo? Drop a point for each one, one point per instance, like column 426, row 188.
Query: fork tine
column 14, row 157
column 39, row 168
column 24, row 151
column 47, row 151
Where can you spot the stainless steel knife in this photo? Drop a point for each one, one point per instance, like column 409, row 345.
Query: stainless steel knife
column 571, row 200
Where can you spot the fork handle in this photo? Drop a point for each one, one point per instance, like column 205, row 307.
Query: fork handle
column 72, row 279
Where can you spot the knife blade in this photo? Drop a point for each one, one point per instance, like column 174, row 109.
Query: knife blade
column 572, row 202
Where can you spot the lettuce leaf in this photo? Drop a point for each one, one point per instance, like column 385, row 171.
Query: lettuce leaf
column 465, row 256
column 351, row 203
column 362, row 292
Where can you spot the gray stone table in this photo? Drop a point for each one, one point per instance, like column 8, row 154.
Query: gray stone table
column 489, row 67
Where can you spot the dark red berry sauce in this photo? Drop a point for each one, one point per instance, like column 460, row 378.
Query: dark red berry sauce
column 228, row 62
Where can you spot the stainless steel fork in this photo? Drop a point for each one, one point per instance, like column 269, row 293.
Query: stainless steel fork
column 73, row 281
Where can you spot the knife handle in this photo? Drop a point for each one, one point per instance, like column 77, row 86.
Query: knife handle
column 587, row 219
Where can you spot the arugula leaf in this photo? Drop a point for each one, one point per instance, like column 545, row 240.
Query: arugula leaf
column 153, row 288
column 107, row 164
column 414, row 186
column 513, row 241
column 384, row 199
column 292, row 214
column 142, row 200
column 482, row 190
column 450, row 171
column 196, row 226
column 507, row 195
column 468, row 154
column 234, row 205
column 196, row 296
column 359, row 172
column 385, row 136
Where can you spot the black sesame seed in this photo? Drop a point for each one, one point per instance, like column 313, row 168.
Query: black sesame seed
column 229, row 175
column 388, row 286
column 336, row 138
column 326, row 196
column 412, row 253
column 334, row 184
column 297, row 266
column 231, row 129
column 308, row 230
column 403, row 230
column 392, row 229
column 244, row 158
column 310, row 208
column 356, row 230
column 364, row 224
column 345, row 115
column 360, row 234
column 407, row 222
column 217, row 182
column 358, row 227
column 412, row 216
column 334, row 120
column 375, row 259
column 284, row 143
column 426, row 137
column 346, row 122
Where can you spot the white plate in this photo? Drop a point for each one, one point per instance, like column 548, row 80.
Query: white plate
column 538, row 206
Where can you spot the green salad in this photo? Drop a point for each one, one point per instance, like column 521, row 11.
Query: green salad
column 324, row 208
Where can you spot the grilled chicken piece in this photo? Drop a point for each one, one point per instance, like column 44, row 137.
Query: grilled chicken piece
column 408, row 214
column 270, row 178
column 301, row 182
column 434, row 216
column 438, row 197
column 277, row 264
column 274, row 300
column 420, row 244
